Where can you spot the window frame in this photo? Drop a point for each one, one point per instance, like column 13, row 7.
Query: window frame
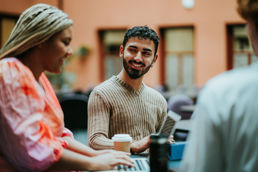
column 101, row 46
column 163, row 53
column 6, row 15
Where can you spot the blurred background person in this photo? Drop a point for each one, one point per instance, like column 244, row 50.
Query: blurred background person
column 224, row 135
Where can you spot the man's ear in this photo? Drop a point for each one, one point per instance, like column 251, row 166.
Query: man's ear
column 121, row 51
column 155, row 58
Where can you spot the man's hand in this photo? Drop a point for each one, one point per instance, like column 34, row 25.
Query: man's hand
column 140, row 145
column 171, row 139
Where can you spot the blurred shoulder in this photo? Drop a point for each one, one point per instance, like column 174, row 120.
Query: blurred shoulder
column 237, row 81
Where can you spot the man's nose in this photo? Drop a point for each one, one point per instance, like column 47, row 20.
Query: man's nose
column 138, row 57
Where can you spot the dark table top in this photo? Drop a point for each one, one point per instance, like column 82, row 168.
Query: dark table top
column 172, row 165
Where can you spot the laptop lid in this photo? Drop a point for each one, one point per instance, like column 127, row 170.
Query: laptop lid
column 169, row 123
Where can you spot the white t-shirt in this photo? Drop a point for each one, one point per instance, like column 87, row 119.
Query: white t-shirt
column 224, row 134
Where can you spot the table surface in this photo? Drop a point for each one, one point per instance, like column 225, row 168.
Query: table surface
column 172, row 165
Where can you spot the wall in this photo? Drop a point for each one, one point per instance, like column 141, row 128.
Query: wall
column 18, row 6
column 209, row 18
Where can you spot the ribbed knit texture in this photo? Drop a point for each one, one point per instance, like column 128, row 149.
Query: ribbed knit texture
column 115, row 107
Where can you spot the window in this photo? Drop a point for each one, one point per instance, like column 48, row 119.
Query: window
column 110, row 45
column 179, row 58
column 6, row 25
column 240, row 52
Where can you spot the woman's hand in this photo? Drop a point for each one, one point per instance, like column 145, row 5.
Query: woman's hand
column 109, row 159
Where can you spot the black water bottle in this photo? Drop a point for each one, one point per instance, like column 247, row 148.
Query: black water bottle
column 159, row 153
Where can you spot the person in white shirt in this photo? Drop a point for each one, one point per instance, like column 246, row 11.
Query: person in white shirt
column 224, row 135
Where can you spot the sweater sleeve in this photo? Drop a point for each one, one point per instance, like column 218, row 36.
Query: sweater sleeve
column 162, row 114
column 26, row 140
column 98, row 122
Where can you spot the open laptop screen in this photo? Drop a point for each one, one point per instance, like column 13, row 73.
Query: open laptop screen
column 169, row 123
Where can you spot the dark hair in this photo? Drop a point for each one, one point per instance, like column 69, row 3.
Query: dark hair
column 248, row 9
column 142, row 32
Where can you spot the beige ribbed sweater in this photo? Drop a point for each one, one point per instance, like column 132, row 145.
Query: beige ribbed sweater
column 115, row 107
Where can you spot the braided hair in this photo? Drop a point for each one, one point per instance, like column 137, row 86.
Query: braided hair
column 34, row 26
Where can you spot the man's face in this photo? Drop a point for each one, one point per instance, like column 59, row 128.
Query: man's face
column 138, row 56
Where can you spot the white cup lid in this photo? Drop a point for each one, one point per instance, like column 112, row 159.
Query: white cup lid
column 122, row 138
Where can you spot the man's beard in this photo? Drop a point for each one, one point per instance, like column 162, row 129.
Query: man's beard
column 133, row 73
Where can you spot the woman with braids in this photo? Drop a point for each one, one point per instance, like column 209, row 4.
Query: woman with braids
column 32, row 132
column 224, row 134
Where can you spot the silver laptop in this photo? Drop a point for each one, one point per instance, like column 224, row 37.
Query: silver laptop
column 167, row 127
column 140, row 164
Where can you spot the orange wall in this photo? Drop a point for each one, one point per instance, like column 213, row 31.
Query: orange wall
column 209, row 18
column 18, row 6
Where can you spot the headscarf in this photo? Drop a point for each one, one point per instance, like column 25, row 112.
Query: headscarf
column 34, row 26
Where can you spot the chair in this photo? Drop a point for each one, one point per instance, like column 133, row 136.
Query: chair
column 75, row 108
column 176, row 102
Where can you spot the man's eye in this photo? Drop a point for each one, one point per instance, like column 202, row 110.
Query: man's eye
column 133, row 50
column 146, row 53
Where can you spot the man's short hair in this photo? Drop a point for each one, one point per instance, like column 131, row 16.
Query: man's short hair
column 142, row 32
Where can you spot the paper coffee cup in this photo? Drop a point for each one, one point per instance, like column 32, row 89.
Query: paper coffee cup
column 122, row 142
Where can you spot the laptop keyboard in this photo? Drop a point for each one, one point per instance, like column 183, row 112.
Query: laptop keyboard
column 140, row 164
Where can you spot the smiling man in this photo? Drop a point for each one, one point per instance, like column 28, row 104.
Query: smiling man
column 123, row 103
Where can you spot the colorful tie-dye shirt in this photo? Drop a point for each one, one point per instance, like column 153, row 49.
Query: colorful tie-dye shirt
column 31, row 119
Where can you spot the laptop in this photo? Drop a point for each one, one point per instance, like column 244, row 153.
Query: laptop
column 141, row 164
column 167, row 127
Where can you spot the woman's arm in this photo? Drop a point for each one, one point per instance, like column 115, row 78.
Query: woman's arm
column 78, row 147
column 74, row 161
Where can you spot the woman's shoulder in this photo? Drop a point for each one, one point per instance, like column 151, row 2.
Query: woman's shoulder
column 12, row 69
column 11, row 64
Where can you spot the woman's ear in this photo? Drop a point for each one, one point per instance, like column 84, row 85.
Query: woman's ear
column 39, row 45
